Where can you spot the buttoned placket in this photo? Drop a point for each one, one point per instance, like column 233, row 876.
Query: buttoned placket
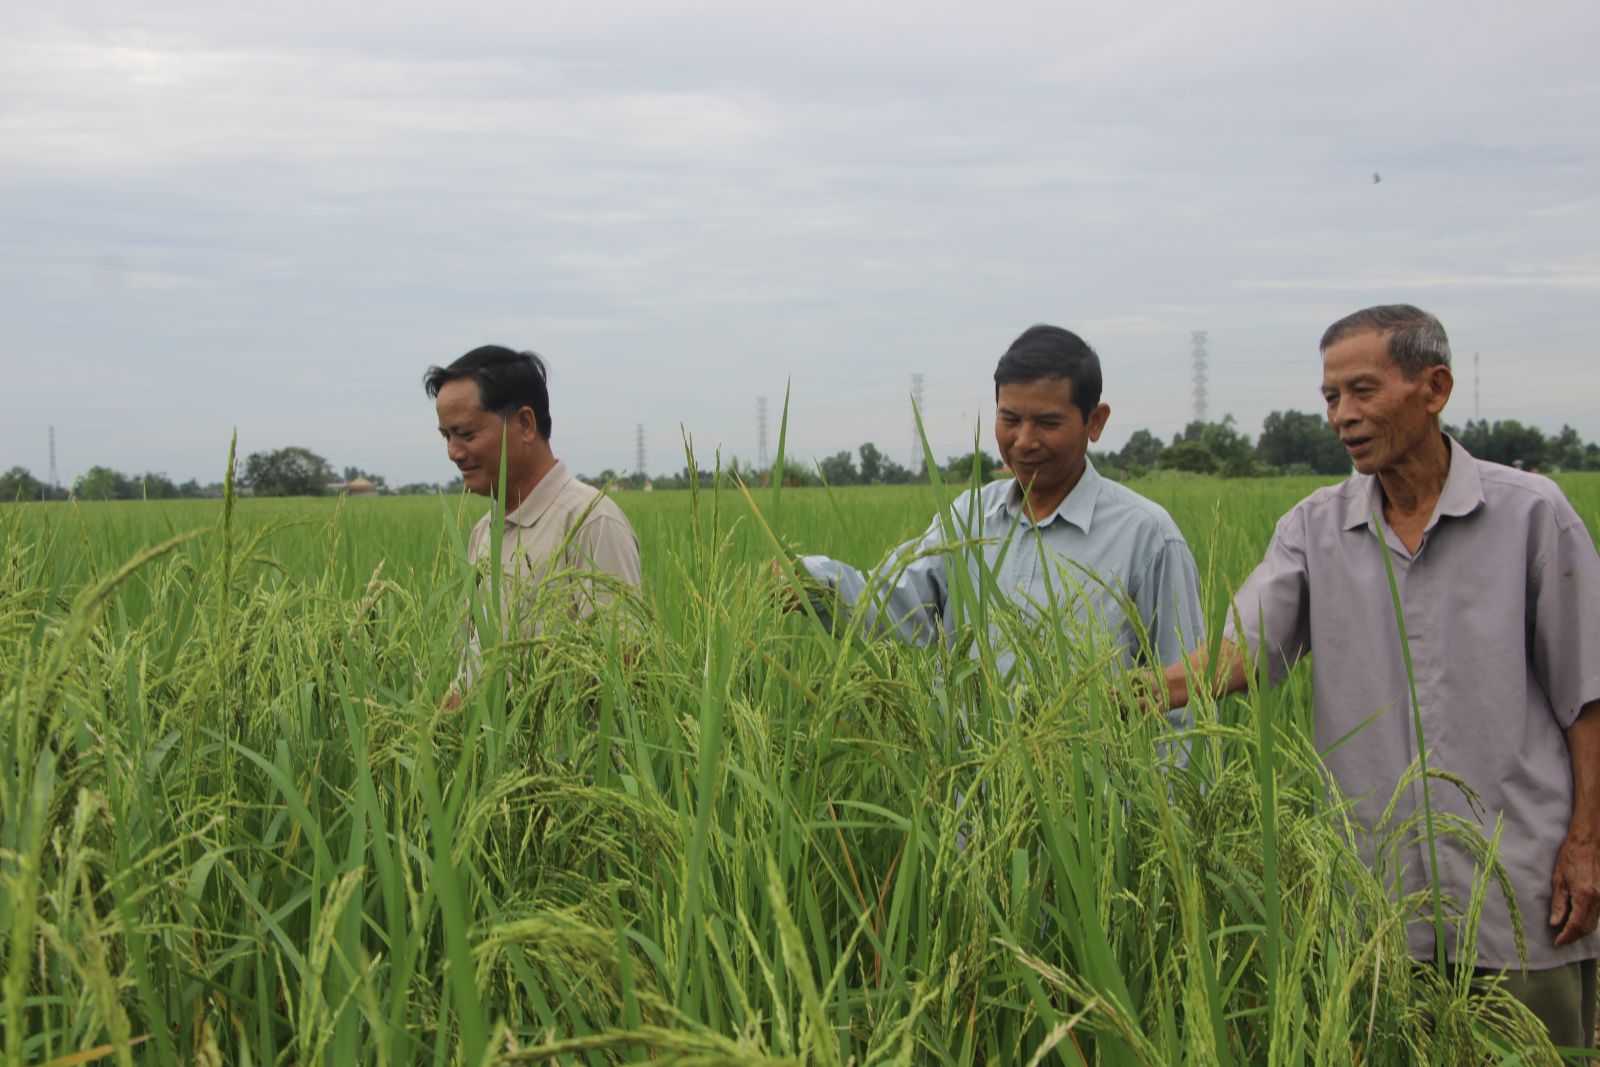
column 1410, row 579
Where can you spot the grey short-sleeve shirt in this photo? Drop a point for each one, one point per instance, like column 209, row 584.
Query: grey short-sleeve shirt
column 1102, row 543
column 1502, row 612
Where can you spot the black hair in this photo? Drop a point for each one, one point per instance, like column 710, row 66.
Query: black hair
column 507, row 382
column 1416, row 339
column 1051, row 352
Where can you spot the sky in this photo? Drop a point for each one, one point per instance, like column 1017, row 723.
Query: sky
column 274, row 218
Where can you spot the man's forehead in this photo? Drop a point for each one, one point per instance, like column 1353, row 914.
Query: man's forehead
column 1035, row 395
column 458, row 392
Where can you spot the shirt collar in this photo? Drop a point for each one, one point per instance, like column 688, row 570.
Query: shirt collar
column 544, row 494
column 1461, row 495
column 1463, row 486
column 1077, row 508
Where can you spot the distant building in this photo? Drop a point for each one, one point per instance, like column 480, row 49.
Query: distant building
column 354, row 487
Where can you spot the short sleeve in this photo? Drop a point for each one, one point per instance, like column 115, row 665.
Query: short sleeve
column 609, row 545
column 1272, row 607
column 1565, row 616
column 1169, row 602
column 605, row 544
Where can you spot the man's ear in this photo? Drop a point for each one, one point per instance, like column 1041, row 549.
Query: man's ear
column 1440, row 384
column 526, row 423
column 1097, row 421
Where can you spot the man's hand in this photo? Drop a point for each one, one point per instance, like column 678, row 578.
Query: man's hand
column 1148, row 693
column 1575, row 885
column 783, row 585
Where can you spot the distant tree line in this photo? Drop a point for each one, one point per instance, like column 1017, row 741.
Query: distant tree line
column 1291, row 442
column 291, row 471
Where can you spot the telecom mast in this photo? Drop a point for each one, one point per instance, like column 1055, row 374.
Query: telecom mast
column 1198, row 362
column 761, row 433
column 919, row 402
column 638, row 454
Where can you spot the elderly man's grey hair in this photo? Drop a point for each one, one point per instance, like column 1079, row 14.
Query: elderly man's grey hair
column 1416, row 338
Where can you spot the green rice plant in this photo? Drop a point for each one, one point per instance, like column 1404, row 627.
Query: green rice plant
column 238, row 824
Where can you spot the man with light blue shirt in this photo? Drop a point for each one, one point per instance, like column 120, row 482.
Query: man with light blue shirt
column 1056, row 539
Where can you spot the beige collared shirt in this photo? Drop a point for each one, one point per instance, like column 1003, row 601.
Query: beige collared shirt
column 563, row 527
column 1502, row 614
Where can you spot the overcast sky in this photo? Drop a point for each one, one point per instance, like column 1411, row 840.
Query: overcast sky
column 276, row 216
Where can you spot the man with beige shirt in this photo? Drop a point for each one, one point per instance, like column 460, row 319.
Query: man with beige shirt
column 555, row 525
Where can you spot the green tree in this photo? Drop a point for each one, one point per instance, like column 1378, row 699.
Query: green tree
column 839, row 469
column 871, row 464
column 1189, row 456
column 878, row 469
column 1142, row 452
column 1294, row 437
column 1508, row 442
column 959, row 468
column 18, row 484
column 291, row 471
column 892, row 473
column 103, row 483
column 352, row 473
column 1231, row 450
column 794, row 473
column 152, row 486
column 1565, row 451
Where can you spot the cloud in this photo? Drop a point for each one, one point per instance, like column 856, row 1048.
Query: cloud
column 293, row 209
column 1551, row 280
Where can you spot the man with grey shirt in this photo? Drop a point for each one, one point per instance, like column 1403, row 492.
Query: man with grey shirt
column 1499, row 585
column 1056, row 538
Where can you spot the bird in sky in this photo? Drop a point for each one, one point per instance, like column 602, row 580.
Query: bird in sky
column 1376, row 177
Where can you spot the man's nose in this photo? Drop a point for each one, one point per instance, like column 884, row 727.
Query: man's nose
column 455, row 450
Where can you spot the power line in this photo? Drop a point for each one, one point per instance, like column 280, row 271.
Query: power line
column 1198, row 363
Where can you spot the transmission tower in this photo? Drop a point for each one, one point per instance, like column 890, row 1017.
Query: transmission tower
column 919, row 402
column 55, row 482
column 638, row 454
column 1477, row 377
column 761, row 433
column 1198, row 362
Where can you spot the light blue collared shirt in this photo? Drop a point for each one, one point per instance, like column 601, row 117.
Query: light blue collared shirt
column 1103, row 550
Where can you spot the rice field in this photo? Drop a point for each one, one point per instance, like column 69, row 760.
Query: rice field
column 237, row 825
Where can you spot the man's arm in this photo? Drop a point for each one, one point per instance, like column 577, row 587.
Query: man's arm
column 1228, row 676
column 906, row 599
column 906, row 595
column 1271, row 611
column 609, row 545
column 1575, row 884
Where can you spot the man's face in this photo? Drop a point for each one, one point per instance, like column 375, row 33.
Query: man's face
column 1042, row 435
column 472, row 435
column 1382, row 416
